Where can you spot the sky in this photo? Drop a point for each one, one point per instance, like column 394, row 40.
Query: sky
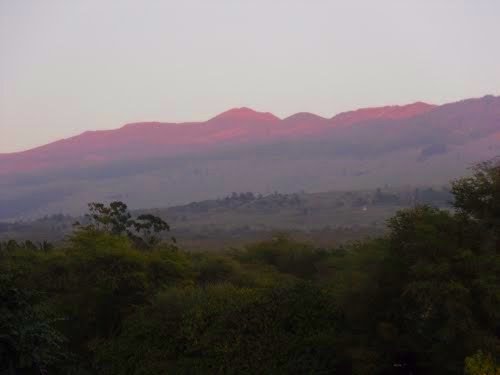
column 71, row 66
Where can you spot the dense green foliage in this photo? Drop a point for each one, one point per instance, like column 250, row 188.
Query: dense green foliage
column 424, row 299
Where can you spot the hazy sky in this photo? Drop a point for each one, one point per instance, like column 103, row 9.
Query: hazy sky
column 72, row 65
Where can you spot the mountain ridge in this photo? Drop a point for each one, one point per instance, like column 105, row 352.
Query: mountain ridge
column 154, row 163
column 237, row 113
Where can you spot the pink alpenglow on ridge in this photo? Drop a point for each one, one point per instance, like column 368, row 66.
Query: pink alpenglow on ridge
column 247, row 127
column 245, row 114
column 387, row 112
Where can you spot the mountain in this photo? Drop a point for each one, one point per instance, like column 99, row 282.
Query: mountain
column 387, row 112
column 153, row 139
column 158, row 164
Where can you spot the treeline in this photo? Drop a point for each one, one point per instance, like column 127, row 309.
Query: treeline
column 404, row 197
column 288, row 206
column 113, row 299
column 239, row 200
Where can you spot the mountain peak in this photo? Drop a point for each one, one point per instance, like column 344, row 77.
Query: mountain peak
column 245, row 114
column 304, row 116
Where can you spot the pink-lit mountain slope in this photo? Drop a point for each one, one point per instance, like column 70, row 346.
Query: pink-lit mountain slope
column 156, row 139
column 387, row 112
column 161, row 164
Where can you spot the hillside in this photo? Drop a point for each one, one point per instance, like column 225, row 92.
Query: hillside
column 241, row 218
column 164, row 164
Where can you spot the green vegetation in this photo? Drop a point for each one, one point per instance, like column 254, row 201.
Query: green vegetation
column 115, row 299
